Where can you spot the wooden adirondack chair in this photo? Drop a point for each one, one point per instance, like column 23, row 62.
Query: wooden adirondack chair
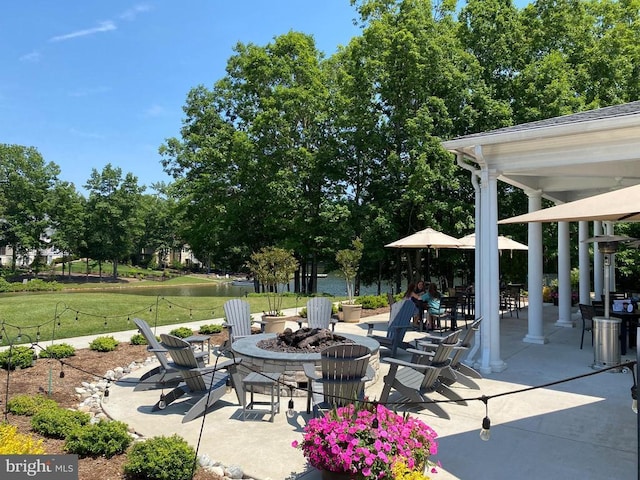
column 456, row 371
column 167, row 374
column 402, row 313
column 344, row 369
column 239, row 321
column 205, row 384
column 415, row 379
column 319, row 314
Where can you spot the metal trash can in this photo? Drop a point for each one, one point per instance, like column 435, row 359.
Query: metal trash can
column 606, row 342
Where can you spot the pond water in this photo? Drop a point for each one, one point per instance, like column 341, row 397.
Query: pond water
column 331, row 284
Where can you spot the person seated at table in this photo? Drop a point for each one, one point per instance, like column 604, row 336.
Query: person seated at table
column 431, row 299
column 410, row 294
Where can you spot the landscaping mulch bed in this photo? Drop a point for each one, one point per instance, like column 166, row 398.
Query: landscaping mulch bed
column 86, row 366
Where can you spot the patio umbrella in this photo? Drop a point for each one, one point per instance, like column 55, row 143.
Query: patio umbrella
column 504, row 243
column 427, row 238
column 622, row 205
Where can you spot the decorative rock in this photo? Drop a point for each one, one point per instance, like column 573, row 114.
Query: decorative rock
column 234, row 471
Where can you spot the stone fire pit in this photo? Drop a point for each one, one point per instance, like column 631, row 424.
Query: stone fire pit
column 256, row 359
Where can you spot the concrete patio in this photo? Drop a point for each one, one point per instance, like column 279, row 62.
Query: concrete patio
column 579, row 429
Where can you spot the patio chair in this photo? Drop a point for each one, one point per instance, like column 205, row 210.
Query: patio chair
column 167, row 374
column 319, row 314
column 456, row 371
column 400, row 317
column 205, row 385
column 344, row 369
column 587, row 312
column 238, row 319
column 448, row 311
column 416, row 379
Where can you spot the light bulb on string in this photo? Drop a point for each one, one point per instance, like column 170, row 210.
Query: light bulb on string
column 162, row 404
column 105, row 323
column 485, row 432
column 105, row 395
column 290, row 406
column 38, row 335
column 19, row 339
column 62, row 370
column 227, row 385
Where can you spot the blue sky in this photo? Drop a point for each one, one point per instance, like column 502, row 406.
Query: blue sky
column 91, row 83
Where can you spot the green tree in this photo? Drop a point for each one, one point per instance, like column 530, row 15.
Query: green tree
column 113, row 215
column 67, row 220
column 26, row 182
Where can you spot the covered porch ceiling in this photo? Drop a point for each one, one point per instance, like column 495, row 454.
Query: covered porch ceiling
column 565, row 158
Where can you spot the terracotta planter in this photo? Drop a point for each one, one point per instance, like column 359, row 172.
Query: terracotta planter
column 351, row 313
column 274, row 324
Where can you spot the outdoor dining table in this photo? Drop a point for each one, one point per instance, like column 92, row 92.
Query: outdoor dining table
column 628, row 320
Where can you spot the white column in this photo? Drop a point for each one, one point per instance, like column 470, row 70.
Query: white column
column 483, row 290
column 598, row 264
column 490, row 241
column 564, row 280
column 535, row 332
column 584, row 264
column 471, row 354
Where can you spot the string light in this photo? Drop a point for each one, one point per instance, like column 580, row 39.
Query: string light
column 105, row 395
column 290, row 407
column 485, row 433
column 162, row 403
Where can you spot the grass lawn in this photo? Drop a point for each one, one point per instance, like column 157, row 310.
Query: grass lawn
column 69, row 314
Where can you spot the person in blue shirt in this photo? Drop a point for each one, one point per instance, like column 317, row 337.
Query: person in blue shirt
column 432, row 301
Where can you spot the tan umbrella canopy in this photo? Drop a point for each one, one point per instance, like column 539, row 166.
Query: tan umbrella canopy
column 504, row 243
column 622, row 205
column 427, row 238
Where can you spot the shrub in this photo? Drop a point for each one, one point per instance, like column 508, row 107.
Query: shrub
column 14, row 443
column 60, row 350
column 138, row 339
column 105, row 438
column 161, row 458
column 210, row 329
column 25, row 404
column 19, row 356
column 104, row 344
column 373, row 301
column 58, row 422
column 181, row 332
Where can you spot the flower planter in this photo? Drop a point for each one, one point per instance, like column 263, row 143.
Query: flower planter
column 351, row 313
column 327, row 475
column 274, row 324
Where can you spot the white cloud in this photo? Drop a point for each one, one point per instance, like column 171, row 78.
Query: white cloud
column 132, row 13
column 79, row 133
column 103, row 27
column 31, row 57
column 154, row 111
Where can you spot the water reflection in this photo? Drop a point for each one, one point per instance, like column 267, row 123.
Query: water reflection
column 331, row 284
